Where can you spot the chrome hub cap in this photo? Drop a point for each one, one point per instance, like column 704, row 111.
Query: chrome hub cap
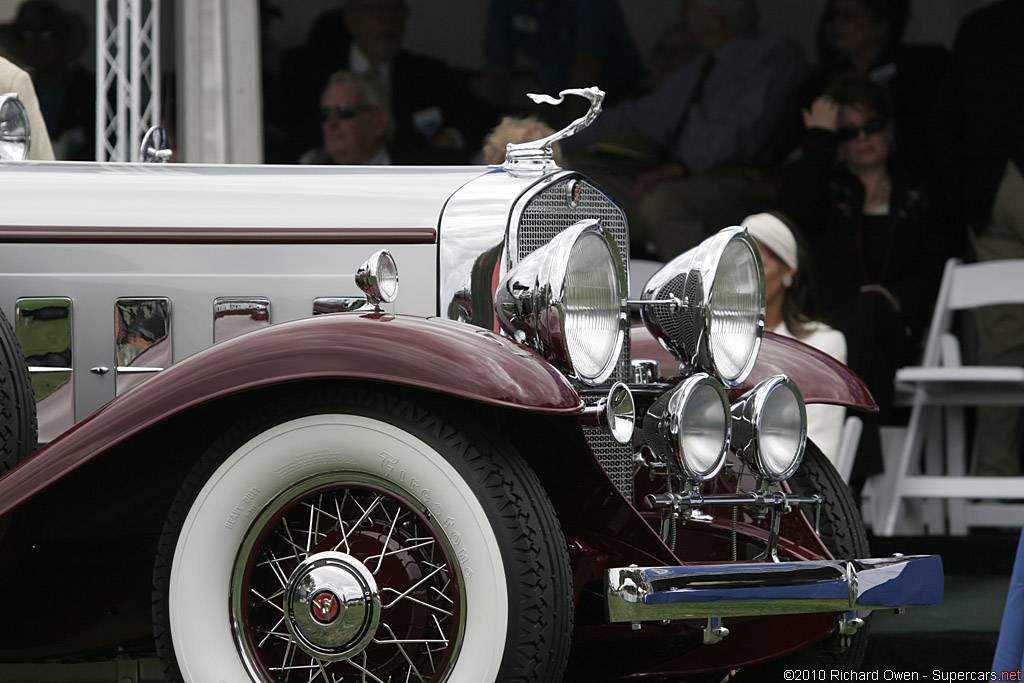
column 346, row 578
column 333, row 606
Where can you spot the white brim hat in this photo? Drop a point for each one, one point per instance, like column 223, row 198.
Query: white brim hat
column 774, row 234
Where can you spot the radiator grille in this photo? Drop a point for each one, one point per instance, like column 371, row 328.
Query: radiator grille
column 545, row 215
column 680, row 325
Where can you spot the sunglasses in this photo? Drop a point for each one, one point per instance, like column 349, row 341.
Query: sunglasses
column 870, row 127
column 344, row 111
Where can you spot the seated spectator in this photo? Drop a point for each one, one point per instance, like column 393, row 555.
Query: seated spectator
column 354, row 119
column 436, row 117
column 569, row 44
column 689, row 157
column 513, row 130
column 786, row 302
column 46, row 40
column 866, row 37
column 674, row 47
column 877, row 243
column 15, row 80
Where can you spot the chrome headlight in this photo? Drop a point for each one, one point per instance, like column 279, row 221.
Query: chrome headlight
column 770, row 427
column 694, row 421
column 707, row 306
column 566, row 301
column 15, row 133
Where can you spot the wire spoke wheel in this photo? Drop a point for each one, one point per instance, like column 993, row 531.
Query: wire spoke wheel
column 358, row 536
column 345, row 578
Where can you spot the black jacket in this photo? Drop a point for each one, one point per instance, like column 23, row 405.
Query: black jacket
column 979, row 121
column 424, row 92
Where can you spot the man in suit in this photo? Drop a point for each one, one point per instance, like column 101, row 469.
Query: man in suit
column 16, row 80
column 693, row 155
column 436, row 118
column 354, row 119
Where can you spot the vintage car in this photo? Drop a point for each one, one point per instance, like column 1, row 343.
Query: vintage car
column 264, row 460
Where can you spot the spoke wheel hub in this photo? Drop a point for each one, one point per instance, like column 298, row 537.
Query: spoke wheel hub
column 332, row 606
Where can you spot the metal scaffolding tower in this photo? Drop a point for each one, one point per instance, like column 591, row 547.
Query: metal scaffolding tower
column 127, row 76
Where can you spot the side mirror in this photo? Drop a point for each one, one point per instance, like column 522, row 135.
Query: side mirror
column 15, row 132
column 154, row 149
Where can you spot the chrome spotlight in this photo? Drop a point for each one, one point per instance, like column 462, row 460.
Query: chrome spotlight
column 567, row 302
column 378, row 278
column 770, row 427
column 706, row 306
column 694, row 421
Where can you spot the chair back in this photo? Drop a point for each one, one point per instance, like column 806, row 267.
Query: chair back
column 971, row 285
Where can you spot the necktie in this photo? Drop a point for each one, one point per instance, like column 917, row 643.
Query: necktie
column 692, row 101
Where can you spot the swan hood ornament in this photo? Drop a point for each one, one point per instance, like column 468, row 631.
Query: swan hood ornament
column 536, row 155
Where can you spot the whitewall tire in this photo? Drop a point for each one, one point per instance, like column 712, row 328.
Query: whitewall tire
column 364, row 541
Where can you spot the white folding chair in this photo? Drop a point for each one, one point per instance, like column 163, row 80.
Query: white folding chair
column 930, row 463
column 848, row 441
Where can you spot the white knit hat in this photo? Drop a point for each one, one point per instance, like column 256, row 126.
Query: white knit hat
column 774, row 234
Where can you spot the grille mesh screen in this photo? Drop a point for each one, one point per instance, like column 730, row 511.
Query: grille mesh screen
column 680, row 325
column 544, row 216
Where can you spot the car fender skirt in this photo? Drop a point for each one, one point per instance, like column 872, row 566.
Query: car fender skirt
column 636, row 594
column 432, row 354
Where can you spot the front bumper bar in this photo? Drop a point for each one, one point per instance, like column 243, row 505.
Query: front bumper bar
column 636, row 594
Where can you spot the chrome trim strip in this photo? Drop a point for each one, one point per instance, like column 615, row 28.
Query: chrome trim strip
column 215, row 235
column 139, row 370
column 635, row 594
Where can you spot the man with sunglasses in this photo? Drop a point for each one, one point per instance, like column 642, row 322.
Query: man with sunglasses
column 354, row 118
column 436, row 118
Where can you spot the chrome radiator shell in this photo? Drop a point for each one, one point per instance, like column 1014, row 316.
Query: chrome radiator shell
column 536, row 219
column 492, row 223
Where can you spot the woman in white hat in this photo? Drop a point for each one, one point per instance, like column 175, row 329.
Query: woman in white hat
column 785, row 297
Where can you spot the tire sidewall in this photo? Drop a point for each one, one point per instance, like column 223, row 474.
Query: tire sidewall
column 18, row 408
column 254, row 474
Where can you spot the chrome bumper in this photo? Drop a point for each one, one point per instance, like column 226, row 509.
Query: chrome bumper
column 638, row 594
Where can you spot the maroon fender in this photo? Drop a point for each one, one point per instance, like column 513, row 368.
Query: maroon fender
column 428, row 353
column 821, row 378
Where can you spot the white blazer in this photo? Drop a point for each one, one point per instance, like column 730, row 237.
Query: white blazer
column 15, row 79
column 824, row 422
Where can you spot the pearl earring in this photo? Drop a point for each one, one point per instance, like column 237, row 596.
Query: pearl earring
column 787, row 281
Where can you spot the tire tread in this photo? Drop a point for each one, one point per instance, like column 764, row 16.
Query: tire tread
column 17, row 402
column 537, row 558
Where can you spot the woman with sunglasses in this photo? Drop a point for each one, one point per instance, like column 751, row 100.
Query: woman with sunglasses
column 866, row 37
column 875, row 236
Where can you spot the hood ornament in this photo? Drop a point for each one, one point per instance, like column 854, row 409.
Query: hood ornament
column 536, row 156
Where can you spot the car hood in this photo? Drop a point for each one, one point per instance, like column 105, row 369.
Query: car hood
column 120, row 195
